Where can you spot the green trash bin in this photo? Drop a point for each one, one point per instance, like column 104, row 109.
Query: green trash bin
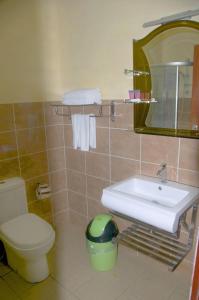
column 101, row 241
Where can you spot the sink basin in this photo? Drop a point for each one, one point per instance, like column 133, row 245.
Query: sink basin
column 150, row 201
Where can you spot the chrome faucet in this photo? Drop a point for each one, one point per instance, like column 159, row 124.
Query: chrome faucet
column 162, row 172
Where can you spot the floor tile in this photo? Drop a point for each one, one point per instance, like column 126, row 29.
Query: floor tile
column 135, row 276
column 6, row 293
column 4, row 270
column 49, row 289
column 182, row 294
column 17, row 284
column 110, row 285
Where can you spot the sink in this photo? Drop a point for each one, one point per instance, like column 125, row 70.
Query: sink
column 150, row 201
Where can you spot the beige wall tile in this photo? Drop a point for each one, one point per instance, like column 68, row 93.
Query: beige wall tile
column 189, row 177
column 189, row 154
column 31, row 140
column 31, row 186
column 123, row 168
column 40, row 207
column 97, row 165
column 31, row 159
column 76, row 218
column 49, row 218
column 125, row 116
column 157, row 149
column 95, row 208
column 58, row 180
column 60, row 201
column 77, row 203
column 56, row 159
column 76, row 182
column 149, row 169
column 8, row 147
column 75, row 160
column 50, row 115
column 125, row 143
column 102, row 140
column 9, row 168
column 33, row 165
column 95, row 187
column 68, row 136
column 28, row 115
column 6, row 117
column 55, row 136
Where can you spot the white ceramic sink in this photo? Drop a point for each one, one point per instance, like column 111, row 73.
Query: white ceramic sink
column 151, row 201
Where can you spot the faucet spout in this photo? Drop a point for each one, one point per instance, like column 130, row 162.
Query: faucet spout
column 162, row 172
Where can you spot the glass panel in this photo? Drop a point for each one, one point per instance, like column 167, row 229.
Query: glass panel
column 167, row 53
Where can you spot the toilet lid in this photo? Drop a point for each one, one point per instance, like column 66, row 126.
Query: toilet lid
column 27, row 231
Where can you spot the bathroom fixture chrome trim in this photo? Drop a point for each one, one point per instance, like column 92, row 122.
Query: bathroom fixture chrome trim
column 112, row 114
column 162, row 172
column 138, row 101
column 158, row 244
column 136, row 72
column 174, row 64
column 180, row 16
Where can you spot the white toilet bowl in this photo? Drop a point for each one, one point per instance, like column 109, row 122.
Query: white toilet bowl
column 27, row 240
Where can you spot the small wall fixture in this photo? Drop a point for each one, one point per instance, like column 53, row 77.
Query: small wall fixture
column 135, row 73
column 181, row 16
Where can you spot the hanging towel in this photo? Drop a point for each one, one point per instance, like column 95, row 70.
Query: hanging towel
column 84, row 132
column 82, row 97
column 92, row 132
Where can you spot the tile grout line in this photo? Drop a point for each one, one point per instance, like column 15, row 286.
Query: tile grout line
column 77, row 212
column 65, row 163
column 44, row 117
column 140, row 154
column 178, row 161
column 32, row 153
column 86, row 192
column 47, row 154
column 21, row 129
column 105, row 154
column 110, row 163
column 63, row 124
column 89, row 175
column 16, row 139
column 86, row 181
column 10, row 158
column 10, row 287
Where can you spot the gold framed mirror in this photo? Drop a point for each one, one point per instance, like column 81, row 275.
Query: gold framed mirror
column 166, row 71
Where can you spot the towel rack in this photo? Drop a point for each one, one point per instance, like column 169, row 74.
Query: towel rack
column 112, row 114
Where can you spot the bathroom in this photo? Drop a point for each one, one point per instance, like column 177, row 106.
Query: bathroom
column 50, row 47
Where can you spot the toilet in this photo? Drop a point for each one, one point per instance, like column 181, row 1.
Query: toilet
column 26, row 237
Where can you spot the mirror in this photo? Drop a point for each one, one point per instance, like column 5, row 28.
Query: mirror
column 166, row 69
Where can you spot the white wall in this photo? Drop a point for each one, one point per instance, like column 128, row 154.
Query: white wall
column 51, row 46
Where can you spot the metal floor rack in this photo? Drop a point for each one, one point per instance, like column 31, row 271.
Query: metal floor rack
column 161, row 245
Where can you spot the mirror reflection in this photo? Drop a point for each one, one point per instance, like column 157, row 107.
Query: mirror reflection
column 171, row 55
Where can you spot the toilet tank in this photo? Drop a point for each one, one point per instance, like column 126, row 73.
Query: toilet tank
column 13, row 200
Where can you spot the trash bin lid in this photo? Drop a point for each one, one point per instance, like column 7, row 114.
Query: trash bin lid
column 101, row 229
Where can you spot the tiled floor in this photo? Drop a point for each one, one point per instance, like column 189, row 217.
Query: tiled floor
column 135, row 277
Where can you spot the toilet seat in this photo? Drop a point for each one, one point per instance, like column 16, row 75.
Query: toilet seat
column 27, row 231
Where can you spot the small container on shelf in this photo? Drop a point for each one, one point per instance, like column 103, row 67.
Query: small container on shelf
column 131, row 94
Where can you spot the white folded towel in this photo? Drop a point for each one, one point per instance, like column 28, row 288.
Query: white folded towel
column 84, row 132
column 82, row 97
